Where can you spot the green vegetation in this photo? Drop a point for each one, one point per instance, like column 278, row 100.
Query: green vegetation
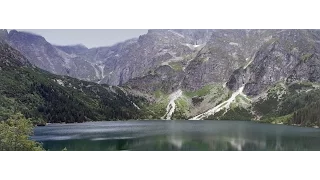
column 279, row 120
column 288, row 45
column 306, row 57
column 182, row 103
column 297, row 106
column 181, row 109
column 177, row 66
column 307, row 116
column 216, row 116
column 7, row 107
column 229, row 94
column 219, row 94
column 244, row 99
column 290, row 101
column 38, row 121
column 179, row 114
column 197, row 100
column 15, row 132
column 238, row 110
column 38, row 95
column 236, row 103
column 300, row 86
column 237, row 113
column 155, row 110
column 266, row 107
column 274, row 90
column 201, row 92
column 158, row 93
column 295, row 101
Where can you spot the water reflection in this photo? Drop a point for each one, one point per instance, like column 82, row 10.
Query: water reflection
column 178, row 135
column 176, row 141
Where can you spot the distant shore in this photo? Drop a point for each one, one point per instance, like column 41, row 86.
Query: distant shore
column 281, row 123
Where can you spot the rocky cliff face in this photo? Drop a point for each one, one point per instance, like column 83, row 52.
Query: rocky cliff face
column 136, row 57
column 74, row 50
column 216, row 55
column 164, row 79
column 226, row 51
column 113, row 65
column 38, row 50
column 61, row 60
column 11, row 57
column 287, row 55
column 3, row 34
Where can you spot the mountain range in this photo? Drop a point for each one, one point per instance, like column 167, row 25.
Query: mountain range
column 264, row 75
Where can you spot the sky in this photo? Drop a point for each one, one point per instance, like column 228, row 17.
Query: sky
column 88, row 37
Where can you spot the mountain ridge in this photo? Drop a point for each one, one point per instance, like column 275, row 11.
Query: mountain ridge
column 269, row 68
column 46, row 97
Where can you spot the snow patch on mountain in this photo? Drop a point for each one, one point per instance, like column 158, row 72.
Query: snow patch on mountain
column 233, row 44
column 194, row 46
column 248, row 63
column 172, row 105
column 96, row 71
column 60, row 82
column 134, row 104
column 176, row 33
column 101, row 67
column 219, row 107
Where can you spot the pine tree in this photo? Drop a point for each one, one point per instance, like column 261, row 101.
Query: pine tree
column 15, row 133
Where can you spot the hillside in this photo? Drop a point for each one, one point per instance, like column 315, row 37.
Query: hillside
column 52, row 98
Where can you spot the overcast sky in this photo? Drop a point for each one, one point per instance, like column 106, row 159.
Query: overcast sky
column 88, row 37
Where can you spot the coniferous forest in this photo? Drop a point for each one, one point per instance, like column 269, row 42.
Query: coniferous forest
column 37, row 95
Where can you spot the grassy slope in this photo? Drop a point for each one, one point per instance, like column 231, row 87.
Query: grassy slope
column 298, row 105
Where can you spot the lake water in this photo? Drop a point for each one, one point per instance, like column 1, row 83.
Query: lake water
column 176, row 135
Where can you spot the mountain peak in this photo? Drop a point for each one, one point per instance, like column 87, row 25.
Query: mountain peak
column 81, row 46
column 3, row 34
column 77, row 46
column 28, row 36
column 10, row 57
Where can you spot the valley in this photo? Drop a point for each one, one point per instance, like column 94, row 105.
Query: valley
column 269, row 76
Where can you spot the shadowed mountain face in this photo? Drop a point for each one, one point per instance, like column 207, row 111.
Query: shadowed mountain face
column 11, row 57
column 219, row 74
column 46, row 97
